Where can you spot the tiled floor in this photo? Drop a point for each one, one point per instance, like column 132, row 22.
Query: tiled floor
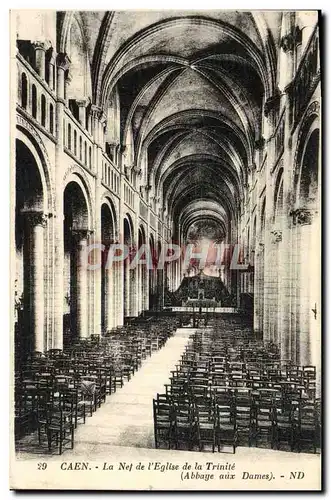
column 123, row 426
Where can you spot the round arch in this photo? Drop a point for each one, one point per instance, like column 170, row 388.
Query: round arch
column 35, row 145
column 310, row 122
column 128, row 228
column 76, row 177
column 106, row 200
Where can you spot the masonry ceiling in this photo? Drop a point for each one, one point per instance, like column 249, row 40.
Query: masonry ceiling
column 191, row 88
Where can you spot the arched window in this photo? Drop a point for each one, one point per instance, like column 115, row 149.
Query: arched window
column 279, row 195
column 263, row 216
column 80, row 149
column 51, row 118
column 34, row 101
column 43, row 110
column 85, row 153
column 90, row 156
column 75, row 142
column 24, row 91
column 69, row 136
column 308, row 185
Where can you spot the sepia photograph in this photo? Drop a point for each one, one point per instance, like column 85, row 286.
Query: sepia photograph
column 165, row 243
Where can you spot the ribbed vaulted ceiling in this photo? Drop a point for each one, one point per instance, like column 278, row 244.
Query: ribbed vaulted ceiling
column 191, row 91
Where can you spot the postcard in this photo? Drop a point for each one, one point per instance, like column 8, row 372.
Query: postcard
column 165, row 250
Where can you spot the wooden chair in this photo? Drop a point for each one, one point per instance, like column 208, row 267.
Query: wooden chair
column 206, row 417
column 164, row 420
column 309, row 428
column 58, row 427
column 185, row 428
column 245, row 420
column 264, row 425
column 226, row 428
column 285, row 427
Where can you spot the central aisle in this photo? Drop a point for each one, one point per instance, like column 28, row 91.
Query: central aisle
column 126, row 419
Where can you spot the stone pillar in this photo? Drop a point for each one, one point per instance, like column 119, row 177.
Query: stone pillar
column 97, row 168
column 40, row 48
column 258, row 287
column 62, row 66
column 67, row 81
column 82, row 105
column 80, row 237
column 271, row 287
column 127, row 286
column 308, row 303
column 51, row 70
column 119, row 295
column 63, row 63
column 145, row 301
column 160, row 287
column 139, row 290
column 36, row 224
column 110, row 292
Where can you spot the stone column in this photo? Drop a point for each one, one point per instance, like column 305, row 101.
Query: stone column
column 120, row 265
column 67, row 81
column 82, row 105
column 308, row 303
column 51, row 69
column 63, row 63
column 145, row 301
column 62, row 66
column 80, row 238
column 271, row 283
column 258, row 287
column 110, row 292
column 36, row 224
column 40, row 48
column 97, row 168
column 127, row 286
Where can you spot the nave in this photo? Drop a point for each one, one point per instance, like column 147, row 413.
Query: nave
column 216, row 389
column 197, row 132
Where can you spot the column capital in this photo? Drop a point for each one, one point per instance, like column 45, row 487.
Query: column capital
column 96, row 111
column 63, row 61
column 83, row 103
column 36, row 217
column 41, row 45
column 302, row 216
column 276, row 236
column 81, row 234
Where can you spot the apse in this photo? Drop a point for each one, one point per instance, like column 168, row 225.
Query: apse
column 205, row 235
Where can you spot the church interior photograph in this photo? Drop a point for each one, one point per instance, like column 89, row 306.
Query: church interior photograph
column 166, row 233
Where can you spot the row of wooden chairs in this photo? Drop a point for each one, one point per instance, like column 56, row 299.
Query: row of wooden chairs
column 194, row 423
column 263, row 397
column 57, row 390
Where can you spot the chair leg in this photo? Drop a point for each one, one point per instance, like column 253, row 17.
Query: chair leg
column 49, row 439
column 61, row 442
